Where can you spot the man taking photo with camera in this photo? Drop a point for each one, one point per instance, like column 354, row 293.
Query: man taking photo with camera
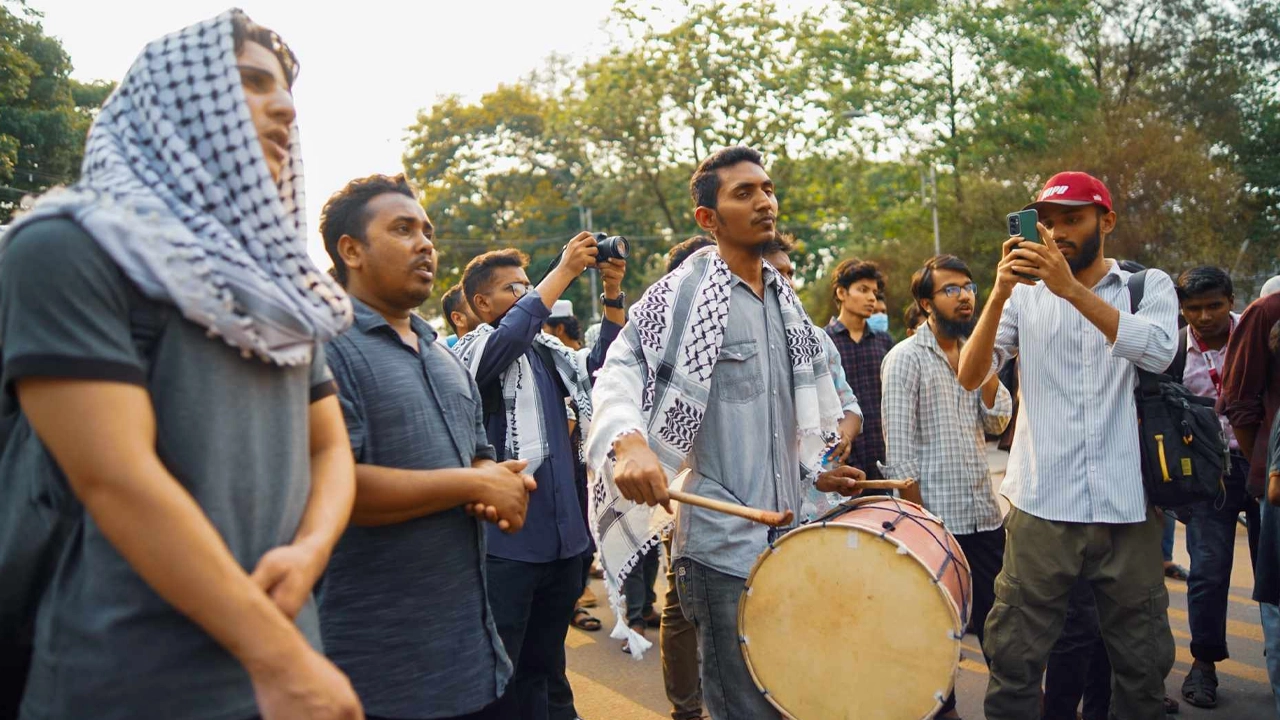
column 524, row 376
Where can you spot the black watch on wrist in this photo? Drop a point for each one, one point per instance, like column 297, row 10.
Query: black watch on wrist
column 619, row 302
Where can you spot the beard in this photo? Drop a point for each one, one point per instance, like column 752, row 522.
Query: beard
column 954, row 327
column 1087, row 253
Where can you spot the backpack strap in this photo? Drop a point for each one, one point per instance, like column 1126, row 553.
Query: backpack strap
column 1148, row 382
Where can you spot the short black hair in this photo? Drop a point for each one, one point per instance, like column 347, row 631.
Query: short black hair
column 681, row 252
column 479, row 271
column 922, row 285
column 344, row 213
column 1202, row 281
column 449, row 304
column 851, row 271
column 705, row 184
column 245, row 30
column 572, row 328
column 783, row 243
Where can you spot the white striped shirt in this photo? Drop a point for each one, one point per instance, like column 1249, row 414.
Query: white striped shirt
column 1075, row 454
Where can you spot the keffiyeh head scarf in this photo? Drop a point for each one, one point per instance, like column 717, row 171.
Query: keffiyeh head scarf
column 176, row 189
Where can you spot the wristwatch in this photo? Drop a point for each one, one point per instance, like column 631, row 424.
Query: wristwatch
column 619, row 302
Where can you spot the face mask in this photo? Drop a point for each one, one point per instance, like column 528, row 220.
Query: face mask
column 878, row 322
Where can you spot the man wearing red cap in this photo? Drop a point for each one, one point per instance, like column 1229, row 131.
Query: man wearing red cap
column 1074, row 481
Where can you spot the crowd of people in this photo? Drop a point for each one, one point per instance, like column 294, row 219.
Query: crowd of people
column 233, row 486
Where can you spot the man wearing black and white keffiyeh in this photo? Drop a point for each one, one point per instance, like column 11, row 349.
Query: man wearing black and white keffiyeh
column 719, row 370
column 535, row 576
column 161, row 345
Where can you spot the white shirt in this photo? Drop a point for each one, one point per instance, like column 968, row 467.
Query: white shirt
column 1196, row 375
column 1075, row 455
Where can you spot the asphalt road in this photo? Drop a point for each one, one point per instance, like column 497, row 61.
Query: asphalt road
column 610, row 685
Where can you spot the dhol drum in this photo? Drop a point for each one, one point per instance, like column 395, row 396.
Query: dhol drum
column 858, row 615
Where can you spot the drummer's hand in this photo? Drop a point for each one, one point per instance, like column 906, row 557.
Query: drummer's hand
column 638, row 474
column 841, row 480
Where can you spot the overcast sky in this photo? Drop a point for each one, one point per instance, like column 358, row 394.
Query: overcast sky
column 367, row 66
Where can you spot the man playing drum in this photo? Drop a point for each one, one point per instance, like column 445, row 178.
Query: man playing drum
column 721, row 369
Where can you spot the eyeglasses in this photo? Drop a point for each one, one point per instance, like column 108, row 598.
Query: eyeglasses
column 518, row 289
column 955, row 291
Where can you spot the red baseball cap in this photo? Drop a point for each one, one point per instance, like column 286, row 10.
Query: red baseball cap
column 1073, row 188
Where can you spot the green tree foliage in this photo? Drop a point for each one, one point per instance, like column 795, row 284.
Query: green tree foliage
column 1174, row 103
column 44, row 114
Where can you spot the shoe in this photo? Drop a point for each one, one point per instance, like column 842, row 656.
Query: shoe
column 1176, row 571
column 639, row 630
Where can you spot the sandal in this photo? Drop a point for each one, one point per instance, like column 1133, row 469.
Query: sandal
column 1170, row 706
column 584, row 620
column 588, row 599
column 653, row 619
column 1201, row 687
column 1176, row 571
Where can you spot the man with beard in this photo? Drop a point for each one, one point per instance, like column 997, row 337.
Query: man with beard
column 457, row 314
column 934, row 429
column 403, row 608
column 1079, row 509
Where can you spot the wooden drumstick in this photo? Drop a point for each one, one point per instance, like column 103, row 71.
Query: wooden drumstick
column 884, row 484
column 764, row 517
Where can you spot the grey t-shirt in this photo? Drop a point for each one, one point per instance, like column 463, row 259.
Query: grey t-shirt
column 233, row 431
column 746, row 451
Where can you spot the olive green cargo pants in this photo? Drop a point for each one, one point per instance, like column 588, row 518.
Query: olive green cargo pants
column 1042, row 560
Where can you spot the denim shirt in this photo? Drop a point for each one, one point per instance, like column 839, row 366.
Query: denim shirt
column 746, row 451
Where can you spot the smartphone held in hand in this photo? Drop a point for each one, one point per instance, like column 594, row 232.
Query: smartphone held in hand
column 1023, row 224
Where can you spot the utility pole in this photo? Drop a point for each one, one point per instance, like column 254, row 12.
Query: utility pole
column 595, row 274
column 933, row 181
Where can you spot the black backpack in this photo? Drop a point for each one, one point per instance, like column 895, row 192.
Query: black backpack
column 1184, row 452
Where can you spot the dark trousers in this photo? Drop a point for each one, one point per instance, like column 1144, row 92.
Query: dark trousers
column 559, row 693
column 638, row 588
column 532, row 605
column 678, row 641
column 1211, row 541
column 985, row 553
column 1078, row 665
column 491, row 712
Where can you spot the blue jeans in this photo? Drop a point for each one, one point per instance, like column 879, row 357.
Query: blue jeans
column 1211, row 538
column 710, row 601
column 1271, row 637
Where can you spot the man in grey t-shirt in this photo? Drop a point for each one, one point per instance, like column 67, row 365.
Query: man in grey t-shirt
column 167, row 403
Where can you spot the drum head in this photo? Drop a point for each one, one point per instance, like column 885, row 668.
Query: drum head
column 837, row 623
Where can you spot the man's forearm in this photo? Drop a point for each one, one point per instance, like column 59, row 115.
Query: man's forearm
column 975, row 356
column 333, row 483
column 554, row 285
column 103, row 437
column 1096, row 310
column 386, row 496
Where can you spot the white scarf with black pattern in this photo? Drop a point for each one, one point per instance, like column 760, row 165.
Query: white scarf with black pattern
column 176, row 189
column 656, row 381
column 521, row 403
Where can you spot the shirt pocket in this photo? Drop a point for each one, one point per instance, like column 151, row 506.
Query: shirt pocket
column 737, row 377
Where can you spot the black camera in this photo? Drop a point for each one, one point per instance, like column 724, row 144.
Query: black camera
column 612, row 248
